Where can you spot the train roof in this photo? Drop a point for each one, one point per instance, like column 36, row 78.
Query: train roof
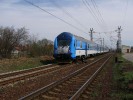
column 78, row 37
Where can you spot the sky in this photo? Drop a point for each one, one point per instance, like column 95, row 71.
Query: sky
column 75, row 16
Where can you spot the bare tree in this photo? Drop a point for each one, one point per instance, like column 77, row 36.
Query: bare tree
column 39, row 47
column 9, row 38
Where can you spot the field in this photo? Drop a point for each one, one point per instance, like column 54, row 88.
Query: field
column 7, row 65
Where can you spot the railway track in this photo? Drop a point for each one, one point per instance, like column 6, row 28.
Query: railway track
column 69, row 86
column 14, row 73
column 13, row 77
column 84, row 88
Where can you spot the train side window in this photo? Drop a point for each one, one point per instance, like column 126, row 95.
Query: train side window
column 88, row 46
column 76, row 43
column 80, row 44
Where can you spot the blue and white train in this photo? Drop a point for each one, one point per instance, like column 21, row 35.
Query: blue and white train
column 70, row 47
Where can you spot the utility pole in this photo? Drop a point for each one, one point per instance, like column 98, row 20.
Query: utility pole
column 91, row 34
column 103, row 44
column 119, row 39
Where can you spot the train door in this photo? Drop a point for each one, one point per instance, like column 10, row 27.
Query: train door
column 97, row 48
column 86, row 49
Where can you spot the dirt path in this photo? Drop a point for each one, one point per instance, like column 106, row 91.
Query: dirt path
column 128, row 56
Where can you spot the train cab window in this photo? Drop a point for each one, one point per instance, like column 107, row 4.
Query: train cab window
column 63, row 42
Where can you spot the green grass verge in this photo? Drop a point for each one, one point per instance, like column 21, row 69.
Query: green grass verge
column 121, row 80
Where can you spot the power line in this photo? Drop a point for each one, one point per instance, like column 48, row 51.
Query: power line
column 68, row 14
column 107, row 35
column 98, row 11
column 53, row 15
column 89, row 9
column 94, row 14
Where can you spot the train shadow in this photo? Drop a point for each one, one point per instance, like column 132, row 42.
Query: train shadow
column 44, row 62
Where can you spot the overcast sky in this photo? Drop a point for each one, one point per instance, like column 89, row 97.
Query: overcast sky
column 113, row 13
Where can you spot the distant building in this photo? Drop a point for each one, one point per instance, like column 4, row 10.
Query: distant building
column 20, row 51
column 132, row 49
column 15, row 52
column 126, row 49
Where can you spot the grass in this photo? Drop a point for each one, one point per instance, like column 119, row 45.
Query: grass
column 30, row 63
column 7, row 65
column 121, row 79
column 128, row 77
column 94, row 94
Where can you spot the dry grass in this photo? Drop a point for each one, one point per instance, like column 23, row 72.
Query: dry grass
column 7, row 65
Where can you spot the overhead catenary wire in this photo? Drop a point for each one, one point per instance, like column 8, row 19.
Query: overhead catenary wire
column 68, row 14
column 54, row 15
column 88, row 6
column 110, row 38
column 96, row 8
column 90, row 11
column 98, row 12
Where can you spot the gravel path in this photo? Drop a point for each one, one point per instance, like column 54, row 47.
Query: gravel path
column 128, row 56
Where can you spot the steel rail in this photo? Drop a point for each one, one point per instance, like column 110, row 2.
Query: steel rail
column 9, row 74
column 27, row 75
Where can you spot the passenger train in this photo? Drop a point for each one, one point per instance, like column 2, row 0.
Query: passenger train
column 68, row 46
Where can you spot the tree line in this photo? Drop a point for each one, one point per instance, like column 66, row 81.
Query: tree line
column 12, row 39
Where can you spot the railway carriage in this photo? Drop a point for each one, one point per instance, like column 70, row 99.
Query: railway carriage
column 71, row 47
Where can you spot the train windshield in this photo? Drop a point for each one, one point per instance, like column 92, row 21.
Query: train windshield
column 63, row 42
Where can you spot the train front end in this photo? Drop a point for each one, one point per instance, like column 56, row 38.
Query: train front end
column 62, row 47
